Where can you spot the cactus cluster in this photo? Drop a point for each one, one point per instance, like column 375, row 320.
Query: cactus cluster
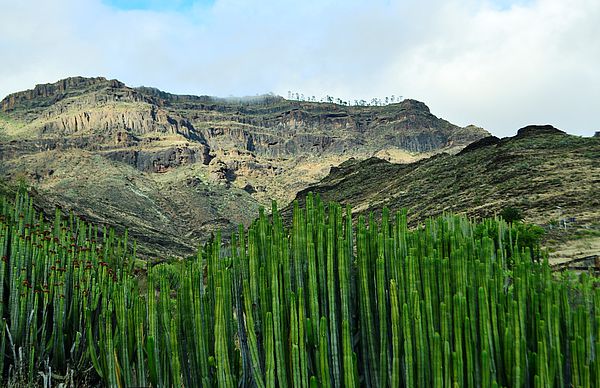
column 333, row 301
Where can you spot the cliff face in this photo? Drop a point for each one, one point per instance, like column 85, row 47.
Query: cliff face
column 186, row 149
column 300, row 127
column 45, row 95
column 160, row 160
column 119, row 116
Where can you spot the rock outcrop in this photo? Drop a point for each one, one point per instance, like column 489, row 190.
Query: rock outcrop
column 160, row 160
column 198, row 159
column 539, row 130
column 485, row 142
column 48, row 94
column 270, row 127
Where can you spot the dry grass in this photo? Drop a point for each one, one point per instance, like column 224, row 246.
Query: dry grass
column 575, row 249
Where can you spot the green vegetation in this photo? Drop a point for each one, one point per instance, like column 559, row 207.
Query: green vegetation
column 511, row 214
column 3, row 126
column 325, row 303
column 8, row 126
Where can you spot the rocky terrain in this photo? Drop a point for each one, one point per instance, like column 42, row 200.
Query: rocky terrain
column 174, row 169
column 552, row 177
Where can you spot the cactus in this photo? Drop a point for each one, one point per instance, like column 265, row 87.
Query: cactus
column 449, row 303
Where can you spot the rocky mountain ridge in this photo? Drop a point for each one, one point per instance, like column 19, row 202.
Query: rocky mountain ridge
column 265, row 125
column 104, row 149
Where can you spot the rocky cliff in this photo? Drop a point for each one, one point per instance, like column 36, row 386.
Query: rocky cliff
column 195, row 159
column 270, row 126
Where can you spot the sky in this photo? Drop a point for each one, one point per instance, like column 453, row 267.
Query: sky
column 498, row 64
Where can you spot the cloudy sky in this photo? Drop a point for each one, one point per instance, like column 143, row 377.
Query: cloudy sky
column 499, row 64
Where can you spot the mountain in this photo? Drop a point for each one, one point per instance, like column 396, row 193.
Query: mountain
column 552, row 177
column 173, row 169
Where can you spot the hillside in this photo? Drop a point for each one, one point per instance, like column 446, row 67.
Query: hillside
column 157, row 163
column 552, row 177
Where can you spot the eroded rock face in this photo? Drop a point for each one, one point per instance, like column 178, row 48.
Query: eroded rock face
column 308, row 130
column 111, row 119
column 157, row 163
column 16, row 148
column 274, row 128
column 218, row 171
column 154, row 131
column 160, row 160
column 49, row 94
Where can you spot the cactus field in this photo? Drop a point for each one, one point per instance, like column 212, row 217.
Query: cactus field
column 332, row 300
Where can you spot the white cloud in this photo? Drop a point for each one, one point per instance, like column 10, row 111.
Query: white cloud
column 470, row 61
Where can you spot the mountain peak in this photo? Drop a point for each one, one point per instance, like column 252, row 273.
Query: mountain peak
column 248, row 149
column 47, row 94
column 410, row 104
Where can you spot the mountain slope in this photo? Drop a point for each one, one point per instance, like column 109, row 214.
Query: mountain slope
column 265, row 125
column 544, row 172
column 162, row 164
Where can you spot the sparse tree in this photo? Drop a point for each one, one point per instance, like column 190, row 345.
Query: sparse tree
column 511, row 214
